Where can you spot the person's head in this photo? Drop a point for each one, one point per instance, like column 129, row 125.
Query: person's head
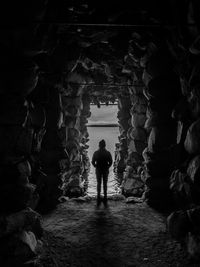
column 102, row 144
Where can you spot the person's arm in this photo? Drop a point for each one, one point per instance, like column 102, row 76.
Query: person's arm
column 94, row 159
column 110, row 161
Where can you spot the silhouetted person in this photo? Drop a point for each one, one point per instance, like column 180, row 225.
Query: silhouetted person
column 102, row 160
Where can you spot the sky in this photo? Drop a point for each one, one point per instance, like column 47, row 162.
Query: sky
column 103, row 115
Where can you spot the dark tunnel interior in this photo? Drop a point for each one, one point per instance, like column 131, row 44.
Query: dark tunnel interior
column 57, row 58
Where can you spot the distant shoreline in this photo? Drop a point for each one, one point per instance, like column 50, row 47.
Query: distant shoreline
column 102, row 125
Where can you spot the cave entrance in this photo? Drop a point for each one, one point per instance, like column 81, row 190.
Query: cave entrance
column 103, row 124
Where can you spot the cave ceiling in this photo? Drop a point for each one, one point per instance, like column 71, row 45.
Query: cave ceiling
column 103, row 35
column 100, row 47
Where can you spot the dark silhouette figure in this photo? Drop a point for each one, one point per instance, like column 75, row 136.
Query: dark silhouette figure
column 102, row 161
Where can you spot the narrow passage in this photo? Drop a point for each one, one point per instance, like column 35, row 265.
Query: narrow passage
column 122, row 235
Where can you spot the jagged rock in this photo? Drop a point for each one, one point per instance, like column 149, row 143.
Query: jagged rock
column 74, row 181
column 72, row 79
column 134, row 159
column 180, row 132
column 136, row 89
column 138, row 108
column 63, row 199
column 138, row 100
column 191, row 241
column 161, row 138
column 184, row 227
column 193, row 246
column 146, row 77
column 37, row 140
column 70, row 121
column 20, row 248
column 194, row 103
column 72, row 111
column 123, row 123
column 73, row 133
column 28, row 238
column 64, row 164
column 137, row 146
column 193, row 170
column 123, row 102
column 181, row 187
column 137, row 133
column 26, row 218
column 178, row 224
column 147, row 155
column 138, row 119
column 120, row 161
column 75, row 155
column 24, row 168
column 151, row 121
column 134, row 200
column 132, row 185
column 74, row 186
column 34, row 200
column 192, row 141
column 76, row 58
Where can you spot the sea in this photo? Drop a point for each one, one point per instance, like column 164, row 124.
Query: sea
column 110, row 135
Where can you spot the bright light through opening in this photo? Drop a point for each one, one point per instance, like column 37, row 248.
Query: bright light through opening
column 104, row 126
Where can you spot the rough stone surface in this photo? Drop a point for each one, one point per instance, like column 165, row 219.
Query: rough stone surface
column 79, row 234
column 192, row 141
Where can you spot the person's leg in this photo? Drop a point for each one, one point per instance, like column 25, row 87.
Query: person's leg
column 105, row 180
column 98, row 176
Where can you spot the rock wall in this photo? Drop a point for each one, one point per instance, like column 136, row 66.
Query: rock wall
column 24, row 121
column 76, row 111
column 137, row 140
column 122, row 148
column 47, row 72
column 162, row 93
column 22, row 128
column 183, row 224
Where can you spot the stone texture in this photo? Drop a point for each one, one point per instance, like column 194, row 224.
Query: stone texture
column 192, row 139
column 43, row 117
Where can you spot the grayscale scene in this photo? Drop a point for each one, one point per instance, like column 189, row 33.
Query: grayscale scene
column 100, row 133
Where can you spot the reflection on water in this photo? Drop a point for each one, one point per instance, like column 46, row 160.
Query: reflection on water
column 110, row 135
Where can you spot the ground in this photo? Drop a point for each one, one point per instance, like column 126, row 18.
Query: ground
column 121, row 235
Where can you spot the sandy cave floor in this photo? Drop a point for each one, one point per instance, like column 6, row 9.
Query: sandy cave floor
column 121, row 235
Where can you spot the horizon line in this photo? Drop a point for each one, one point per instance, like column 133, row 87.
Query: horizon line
column 103, row 125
